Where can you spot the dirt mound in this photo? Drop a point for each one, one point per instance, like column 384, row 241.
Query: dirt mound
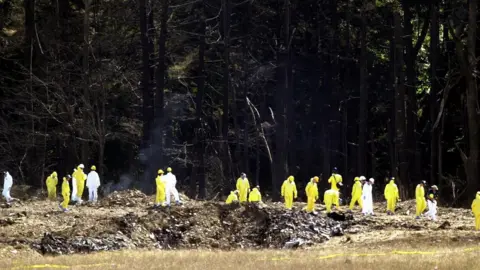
column 125, row 198
column 201, row 225
column 132, row 198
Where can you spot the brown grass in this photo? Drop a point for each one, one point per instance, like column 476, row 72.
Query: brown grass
column 382, row 258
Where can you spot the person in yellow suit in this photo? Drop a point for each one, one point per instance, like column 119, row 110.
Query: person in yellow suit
column 160, row 194
column 289, row 191
column 52, row 181
column 420, row 199
column 65, row 193
column 312, row 194
column 391, row 195
column 232, row 198
column 80, row 178
column 334, row 180
column 255, row 196
column 328, row 198
column 243, row 187
column 357, row 192
column 476, row 210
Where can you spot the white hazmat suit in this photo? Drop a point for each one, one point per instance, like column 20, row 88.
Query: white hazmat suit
column 432, row 209
column 74, row 189
column 7, row 186
column 367, row 208
column 93, row 182
column 170, row 188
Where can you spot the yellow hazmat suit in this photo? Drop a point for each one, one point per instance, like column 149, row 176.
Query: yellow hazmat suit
column 420, row 199
column 52, row 182
column 391, row 195
column 160, row 194
column 334, row 180
column 328, row 198
column 243, row 187
column 81, row 177
column 476, row 210
column 65, row 193
column 232, row 198
column 356, row 193
column 312, row 194
column 289, row 192
column 255, row 196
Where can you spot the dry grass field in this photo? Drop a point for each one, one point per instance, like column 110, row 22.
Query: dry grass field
column 460, row 257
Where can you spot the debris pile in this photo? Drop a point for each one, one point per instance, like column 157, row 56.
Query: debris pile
column 127, row 198
column 57, row 245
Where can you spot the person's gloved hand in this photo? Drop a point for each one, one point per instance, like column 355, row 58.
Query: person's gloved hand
column 340, row 184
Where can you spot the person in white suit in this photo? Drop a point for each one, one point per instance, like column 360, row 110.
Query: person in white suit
column 367, row 198
column 7, row 186
column 74, row 187
column 171, row 189
column 93, row 183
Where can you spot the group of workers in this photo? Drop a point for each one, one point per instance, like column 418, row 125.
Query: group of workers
column 243, row 193
column 166, row 187
column 361, row 195
column 78, row 180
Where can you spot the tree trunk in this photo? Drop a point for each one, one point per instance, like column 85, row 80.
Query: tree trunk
column 145, row 83
column 472, row 162
column 226, row 88
column 86, row 79
column 160, row 86
column 400, row 124
column 363, row 113
column 199, row 145
column 434, row 89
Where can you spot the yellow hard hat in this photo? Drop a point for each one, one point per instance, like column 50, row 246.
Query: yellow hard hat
column 291, row 178
column 315, row 178
column 169, row 169
column 431, row 196
column 54, row 174
column 93, row 168
column 160, row 171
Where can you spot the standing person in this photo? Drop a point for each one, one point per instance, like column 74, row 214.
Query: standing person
column 7, row 186
column 52, row 182
column 421, row 203
column 334, row 180
column 80, row 178
column 289, row 192
column 391, row 195
column 65, row 193
column 161, row 186
column 255, row 196
column 93, row 183
column 312, row 193
column 357, row 192
column 243, row 187
column 171, row 187
column 367, row 197
column 74, row 186
column 432, row 207
column 476, row 210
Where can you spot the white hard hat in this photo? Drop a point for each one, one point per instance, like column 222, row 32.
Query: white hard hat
column 371, row 180
column 81, row 166
column 363, row 178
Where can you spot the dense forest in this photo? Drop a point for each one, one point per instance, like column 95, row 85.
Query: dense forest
column 214, row 88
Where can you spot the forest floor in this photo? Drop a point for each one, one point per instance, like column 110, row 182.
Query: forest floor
column 126, row 222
